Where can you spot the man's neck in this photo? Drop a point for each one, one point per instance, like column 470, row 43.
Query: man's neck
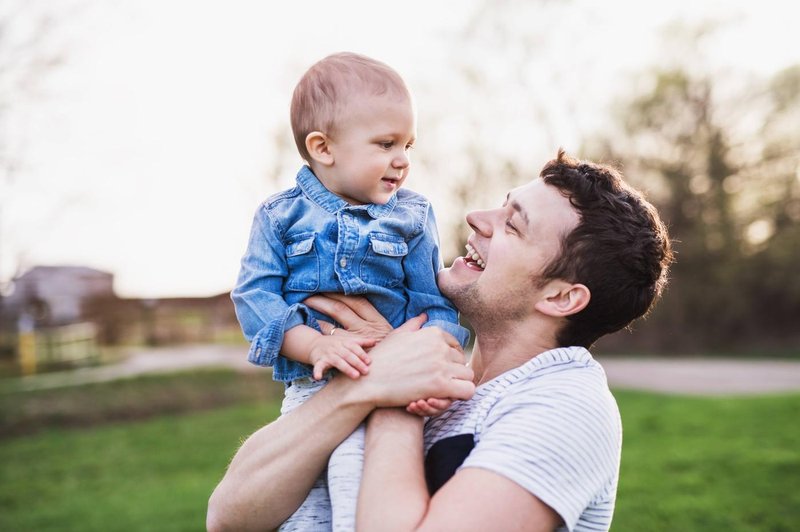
column 494, row 353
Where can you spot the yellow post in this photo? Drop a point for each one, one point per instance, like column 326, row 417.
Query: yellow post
column 27, row 345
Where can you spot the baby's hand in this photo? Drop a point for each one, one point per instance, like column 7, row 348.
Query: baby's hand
column 345, row 353
column 429, row 407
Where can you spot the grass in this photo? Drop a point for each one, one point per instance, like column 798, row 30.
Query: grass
column 710, row 464
column 148, row 475
column 129, row 399
column 706, row 464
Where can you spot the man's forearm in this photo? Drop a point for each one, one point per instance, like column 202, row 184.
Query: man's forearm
column 255, row 493
column 393, row 493
column 273, row 471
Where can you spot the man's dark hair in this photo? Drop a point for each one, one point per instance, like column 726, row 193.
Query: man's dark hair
column 620, row 249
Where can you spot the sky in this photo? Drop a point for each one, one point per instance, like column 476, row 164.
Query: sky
column 147, row 149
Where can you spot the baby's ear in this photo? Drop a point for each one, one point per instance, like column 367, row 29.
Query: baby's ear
column 319, row 148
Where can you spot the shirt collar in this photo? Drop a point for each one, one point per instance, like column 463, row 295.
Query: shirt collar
column 316, row 191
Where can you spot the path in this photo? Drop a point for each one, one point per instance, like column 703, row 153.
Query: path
column 703, row 376
column 671, row 375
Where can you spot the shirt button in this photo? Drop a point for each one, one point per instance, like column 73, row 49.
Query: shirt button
column 343, row 263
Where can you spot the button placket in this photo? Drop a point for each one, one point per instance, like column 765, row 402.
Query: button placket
column 346, row 248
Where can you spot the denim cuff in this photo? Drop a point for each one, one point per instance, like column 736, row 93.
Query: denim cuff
column 460, row 333
column 266, row 345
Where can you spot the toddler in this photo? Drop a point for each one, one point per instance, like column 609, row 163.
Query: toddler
column 347, row 227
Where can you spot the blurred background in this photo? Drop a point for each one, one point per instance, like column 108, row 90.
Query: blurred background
column 137, row 138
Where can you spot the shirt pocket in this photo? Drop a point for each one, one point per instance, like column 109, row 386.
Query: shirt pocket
column 303, row 263
column 383, row 261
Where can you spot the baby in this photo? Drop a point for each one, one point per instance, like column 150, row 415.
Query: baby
column 346, row 227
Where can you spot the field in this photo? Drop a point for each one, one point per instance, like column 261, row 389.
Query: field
column 721, row 464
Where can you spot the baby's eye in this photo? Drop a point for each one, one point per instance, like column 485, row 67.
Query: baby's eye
column 409, row 146
column 386, row 144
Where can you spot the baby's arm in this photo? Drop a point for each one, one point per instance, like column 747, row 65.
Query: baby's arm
column 422, row 265
column 258, row 298
column 340, row 350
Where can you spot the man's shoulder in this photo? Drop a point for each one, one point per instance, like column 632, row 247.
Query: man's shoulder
column 562, row 379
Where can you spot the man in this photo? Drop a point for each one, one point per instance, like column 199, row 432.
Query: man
column 569, row 257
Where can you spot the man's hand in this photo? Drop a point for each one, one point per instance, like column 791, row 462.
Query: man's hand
column 357, row 315
column 411, row 363
column 405, row 365
column 343, row 352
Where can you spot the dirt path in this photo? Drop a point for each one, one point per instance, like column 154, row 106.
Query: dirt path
column 145, row 361
column 703, row 376
column 676, row 375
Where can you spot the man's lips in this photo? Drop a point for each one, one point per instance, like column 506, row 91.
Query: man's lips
column 472, row 265
column 467, row 264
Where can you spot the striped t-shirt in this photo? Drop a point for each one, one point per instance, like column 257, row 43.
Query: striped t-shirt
column 551, row 425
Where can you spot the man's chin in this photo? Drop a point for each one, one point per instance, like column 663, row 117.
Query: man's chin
column 461, row 294
column 444, row 279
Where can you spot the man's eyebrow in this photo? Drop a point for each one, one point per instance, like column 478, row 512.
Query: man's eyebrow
column 517, row 207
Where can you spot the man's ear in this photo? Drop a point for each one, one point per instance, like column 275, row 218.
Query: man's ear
column 319, row 148
column 561, row 299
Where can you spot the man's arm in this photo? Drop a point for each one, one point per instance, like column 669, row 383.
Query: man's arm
column 394, row 496
column 274, row 469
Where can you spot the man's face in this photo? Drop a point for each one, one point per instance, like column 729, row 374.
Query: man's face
column 496, row 281
column 370, row 148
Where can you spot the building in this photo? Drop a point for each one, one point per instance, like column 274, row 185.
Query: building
column 55, row 295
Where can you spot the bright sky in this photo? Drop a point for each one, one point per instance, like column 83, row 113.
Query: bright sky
column 148, row 150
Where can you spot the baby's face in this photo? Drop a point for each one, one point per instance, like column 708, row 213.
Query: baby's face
column 370, row 148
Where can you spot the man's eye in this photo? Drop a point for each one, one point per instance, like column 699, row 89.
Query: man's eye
column 510, row 225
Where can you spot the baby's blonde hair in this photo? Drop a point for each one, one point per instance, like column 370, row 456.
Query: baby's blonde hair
column 326, row 87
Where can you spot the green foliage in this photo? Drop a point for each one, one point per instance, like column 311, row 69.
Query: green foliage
column 723, row 168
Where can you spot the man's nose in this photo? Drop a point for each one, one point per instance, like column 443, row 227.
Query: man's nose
column 480, row 222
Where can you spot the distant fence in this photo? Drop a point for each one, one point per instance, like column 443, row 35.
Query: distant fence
column 67, row 345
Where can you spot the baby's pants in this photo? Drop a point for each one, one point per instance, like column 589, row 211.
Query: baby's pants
column 331, row 503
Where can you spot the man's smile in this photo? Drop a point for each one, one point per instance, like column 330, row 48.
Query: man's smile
column 473, row 259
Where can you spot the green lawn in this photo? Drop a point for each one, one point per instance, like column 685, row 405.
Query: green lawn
column 688, row 464
column 146, row 475
column 709, row 464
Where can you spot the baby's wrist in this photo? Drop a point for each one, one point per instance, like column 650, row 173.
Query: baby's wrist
column 315, row 346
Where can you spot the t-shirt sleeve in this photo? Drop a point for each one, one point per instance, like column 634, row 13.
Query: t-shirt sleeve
column 559, row 437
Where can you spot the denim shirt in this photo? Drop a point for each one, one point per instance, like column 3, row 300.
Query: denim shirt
column 307, row 240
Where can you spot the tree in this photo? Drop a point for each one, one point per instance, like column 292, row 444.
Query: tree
column 729, row 192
